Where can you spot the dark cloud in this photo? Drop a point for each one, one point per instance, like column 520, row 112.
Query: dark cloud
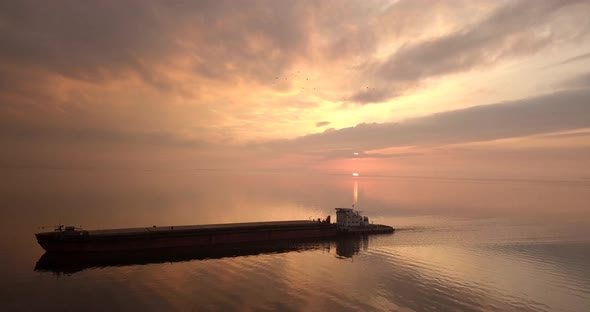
column 322, row 123
column 374, row 95
column 576, row 58
column 566, row 110
column 19, row 133
column 82, row 40
column 391, row 155
column 352, row 153
column 568, row 135
column 95, row 40
column 580, row 81
column 515, row 29
column 259, row 40
column 353, row 42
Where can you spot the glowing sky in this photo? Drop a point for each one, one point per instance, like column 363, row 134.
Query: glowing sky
column 414, row 87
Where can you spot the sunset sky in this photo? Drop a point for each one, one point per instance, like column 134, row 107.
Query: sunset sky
column 453, row 88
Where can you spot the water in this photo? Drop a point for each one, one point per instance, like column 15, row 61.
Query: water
column 462, row 244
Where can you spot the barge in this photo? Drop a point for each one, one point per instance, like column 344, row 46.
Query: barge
column 70, row 239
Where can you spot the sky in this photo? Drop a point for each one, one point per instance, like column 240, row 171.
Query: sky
column 425, row 88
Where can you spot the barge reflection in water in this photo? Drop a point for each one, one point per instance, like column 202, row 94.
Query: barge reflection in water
column 345, row 247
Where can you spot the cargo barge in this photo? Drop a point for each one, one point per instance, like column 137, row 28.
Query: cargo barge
column 73, row 240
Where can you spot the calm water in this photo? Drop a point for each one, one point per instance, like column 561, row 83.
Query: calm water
column 462, row 244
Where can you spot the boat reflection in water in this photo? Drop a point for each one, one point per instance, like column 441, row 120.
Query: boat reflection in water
column 345, row 247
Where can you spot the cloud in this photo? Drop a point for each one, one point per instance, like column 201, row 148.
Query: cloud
column 373, row 95
column 163, row 42
column 515, row 29
column 12, row 132
column 75, row 39
column 349, row 153
column 573, row 59
column 580, row 81
column 322, row 123
column 560, row 111
column 222, row 40
column 97, row 40
column 568, row 135
column 161, row 72
column 207, row 53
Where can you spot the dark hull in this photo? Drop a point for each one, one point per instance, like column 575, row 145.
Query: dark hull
column 345, row 246
column 75, row 262
column 205, row 238
column 371, row 229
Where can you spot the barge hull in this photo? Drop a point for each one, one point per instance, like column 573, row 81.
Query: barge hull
column 181, row 237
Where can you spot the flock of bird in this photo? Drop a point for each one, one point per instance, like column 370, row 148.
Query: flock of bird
column 298, row 74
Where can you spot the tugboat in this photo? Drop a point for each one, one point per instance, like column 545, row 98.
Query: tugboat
column 349, row 220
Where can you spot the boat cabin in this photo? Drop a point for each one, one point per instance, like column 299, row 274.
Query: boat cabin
column 349, row 218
